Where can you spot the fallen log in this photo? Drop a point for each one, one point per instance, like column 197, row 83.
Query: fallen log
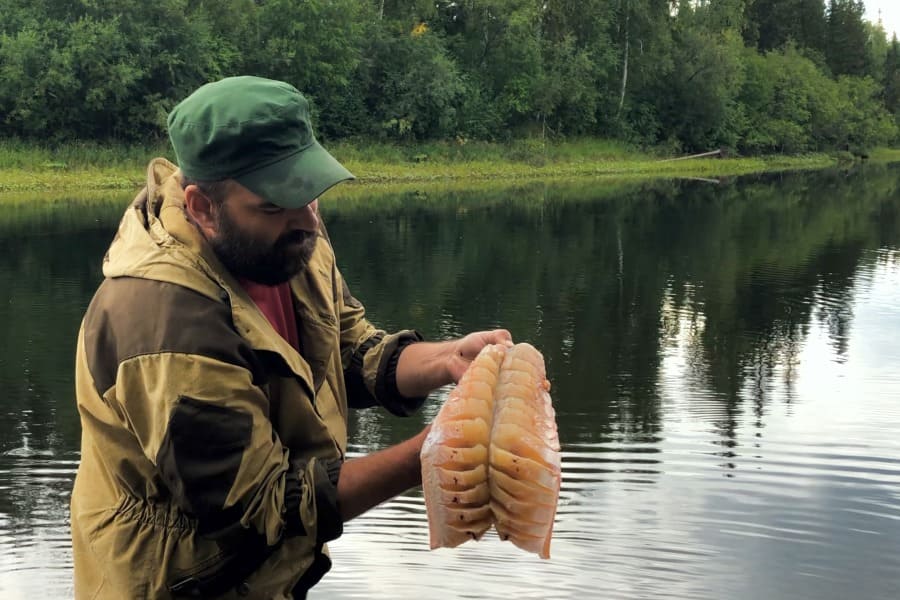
column 703, row 155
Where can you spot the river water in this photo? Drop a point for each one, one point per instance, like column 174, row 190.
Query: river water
column 725, row 363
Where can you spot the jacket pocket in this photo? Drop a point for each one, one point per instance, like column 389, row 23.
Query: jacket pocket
column 221, row 572
column 318, row 343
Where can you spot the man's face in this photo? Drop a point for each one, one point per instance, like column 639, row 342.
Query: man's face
column 260, row 241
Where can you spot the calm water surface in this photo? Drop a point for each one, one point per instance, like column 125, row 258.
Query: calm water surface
column 725, row 362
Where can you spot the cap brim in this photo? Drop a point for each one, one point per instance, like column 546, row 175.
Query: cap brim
column 297, row 180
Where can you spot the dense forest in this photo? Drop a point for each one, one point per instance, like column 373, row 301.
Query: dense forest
column 753, row 76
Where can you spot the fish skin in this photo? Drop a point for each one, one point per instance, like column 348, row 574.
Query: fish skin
column 492, row 455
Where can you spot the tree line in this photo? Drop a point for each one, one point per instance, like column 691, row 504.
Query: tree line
column 755, row 76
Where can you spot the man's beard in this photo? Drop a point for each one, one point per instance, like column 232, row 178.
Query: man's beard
column 247, row 257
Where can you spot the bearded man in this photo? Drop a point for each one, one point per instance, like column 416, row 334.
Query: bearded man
column 217, row 362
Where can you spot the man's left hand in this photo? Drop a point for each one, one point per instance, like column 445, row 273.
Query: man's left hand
column 467, row 348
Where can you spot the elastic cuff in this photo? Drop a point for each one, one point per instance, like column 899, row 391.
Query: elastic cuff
column 386, row 387
column 329, row 522
column 358, row 396
column 293, row 491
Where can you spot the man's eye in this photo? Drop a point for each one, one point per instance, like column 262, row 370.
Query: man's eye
column 271, row 210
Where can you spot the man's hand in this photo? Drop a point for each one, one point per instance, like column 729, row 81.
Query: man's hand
column 426, row 366
column 468, row 347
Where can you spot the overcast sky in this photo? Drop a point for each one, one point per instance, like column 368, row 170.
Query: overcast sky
column 890, row 14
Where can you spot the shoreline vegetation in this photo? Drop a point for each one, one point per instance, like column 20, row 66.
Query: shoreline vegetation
column 89, row 166
column 405, row 93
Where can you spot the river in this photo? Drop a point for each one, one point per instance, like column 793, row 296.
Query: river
column 724, row 360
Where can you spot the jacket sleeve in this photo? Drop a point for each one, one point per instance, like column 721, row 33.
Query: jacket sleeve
column 369, row 356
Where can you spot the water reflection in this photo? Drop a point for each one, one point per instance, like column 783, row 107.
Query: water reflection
column 724, row 362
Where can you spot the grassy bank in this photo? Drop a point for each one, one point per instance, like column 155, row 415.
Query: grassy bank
column 90, row 166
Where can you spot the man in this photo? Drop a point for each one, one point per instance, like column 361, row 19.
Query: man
column 216, row 363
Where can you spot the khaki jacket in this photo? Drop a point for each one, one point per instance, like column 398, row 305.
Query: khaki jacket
column 211, row 449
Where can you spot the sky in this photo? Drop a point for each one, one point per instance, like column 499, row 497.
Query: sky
column 890, row 14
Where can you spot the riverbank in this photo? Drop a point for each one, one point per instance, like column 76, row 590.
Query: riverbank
column 91, row 167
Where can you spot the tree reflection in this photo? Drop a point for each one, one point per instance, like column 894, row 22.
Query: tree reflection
column 605, row 279
column 638, row 295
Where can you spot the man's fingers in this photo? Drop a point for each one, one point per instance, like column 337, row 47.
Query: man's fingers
column 472, row 344
column 501, row 336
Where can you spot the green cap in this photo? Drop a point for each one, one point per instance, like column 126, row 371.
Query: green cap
column 258, row 132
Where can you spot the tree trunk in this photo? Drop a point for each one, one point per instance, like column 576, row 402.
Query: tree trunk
column 625, row 64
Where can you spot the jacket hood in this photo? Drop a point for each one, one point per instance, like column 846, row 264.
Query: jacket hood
column 156, row 241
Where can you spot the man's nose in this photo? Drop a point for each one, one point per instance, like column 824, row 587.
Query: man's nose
column 305, row 218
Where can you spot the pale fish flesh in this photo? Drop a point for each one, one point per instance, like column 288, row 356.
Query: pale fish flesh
column 492, row 455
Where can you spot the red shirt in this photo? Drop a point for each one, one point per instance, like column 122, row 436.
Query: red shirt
column 276, row 303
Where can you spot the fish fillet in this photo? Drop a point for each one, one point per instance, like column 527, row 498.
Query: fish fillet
column 492, row 455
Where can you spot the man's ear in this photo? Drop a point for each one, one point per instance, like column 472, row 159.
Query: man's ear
column 201, row 210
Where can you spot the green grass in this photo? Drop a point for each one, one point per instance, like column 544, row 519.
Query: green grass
column 16, row 154
column 89, row 166
column 531, row 151
column 72, row 167
column 885, row 155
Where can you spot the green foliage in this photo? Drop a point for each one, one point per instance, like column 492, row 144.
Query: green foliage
column 641, row 38
column 753, row 75
column 778, row 94
column 498, row 44
column 698, row 104
column 892, row 78
column 772, row 24
column 317, row 46
column 798, row 108
column 846, row 37
column 865, row 121
column 421, row 86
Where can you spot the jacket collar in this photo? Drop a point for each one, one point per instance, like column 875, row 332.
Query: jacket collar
column 156, row 241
